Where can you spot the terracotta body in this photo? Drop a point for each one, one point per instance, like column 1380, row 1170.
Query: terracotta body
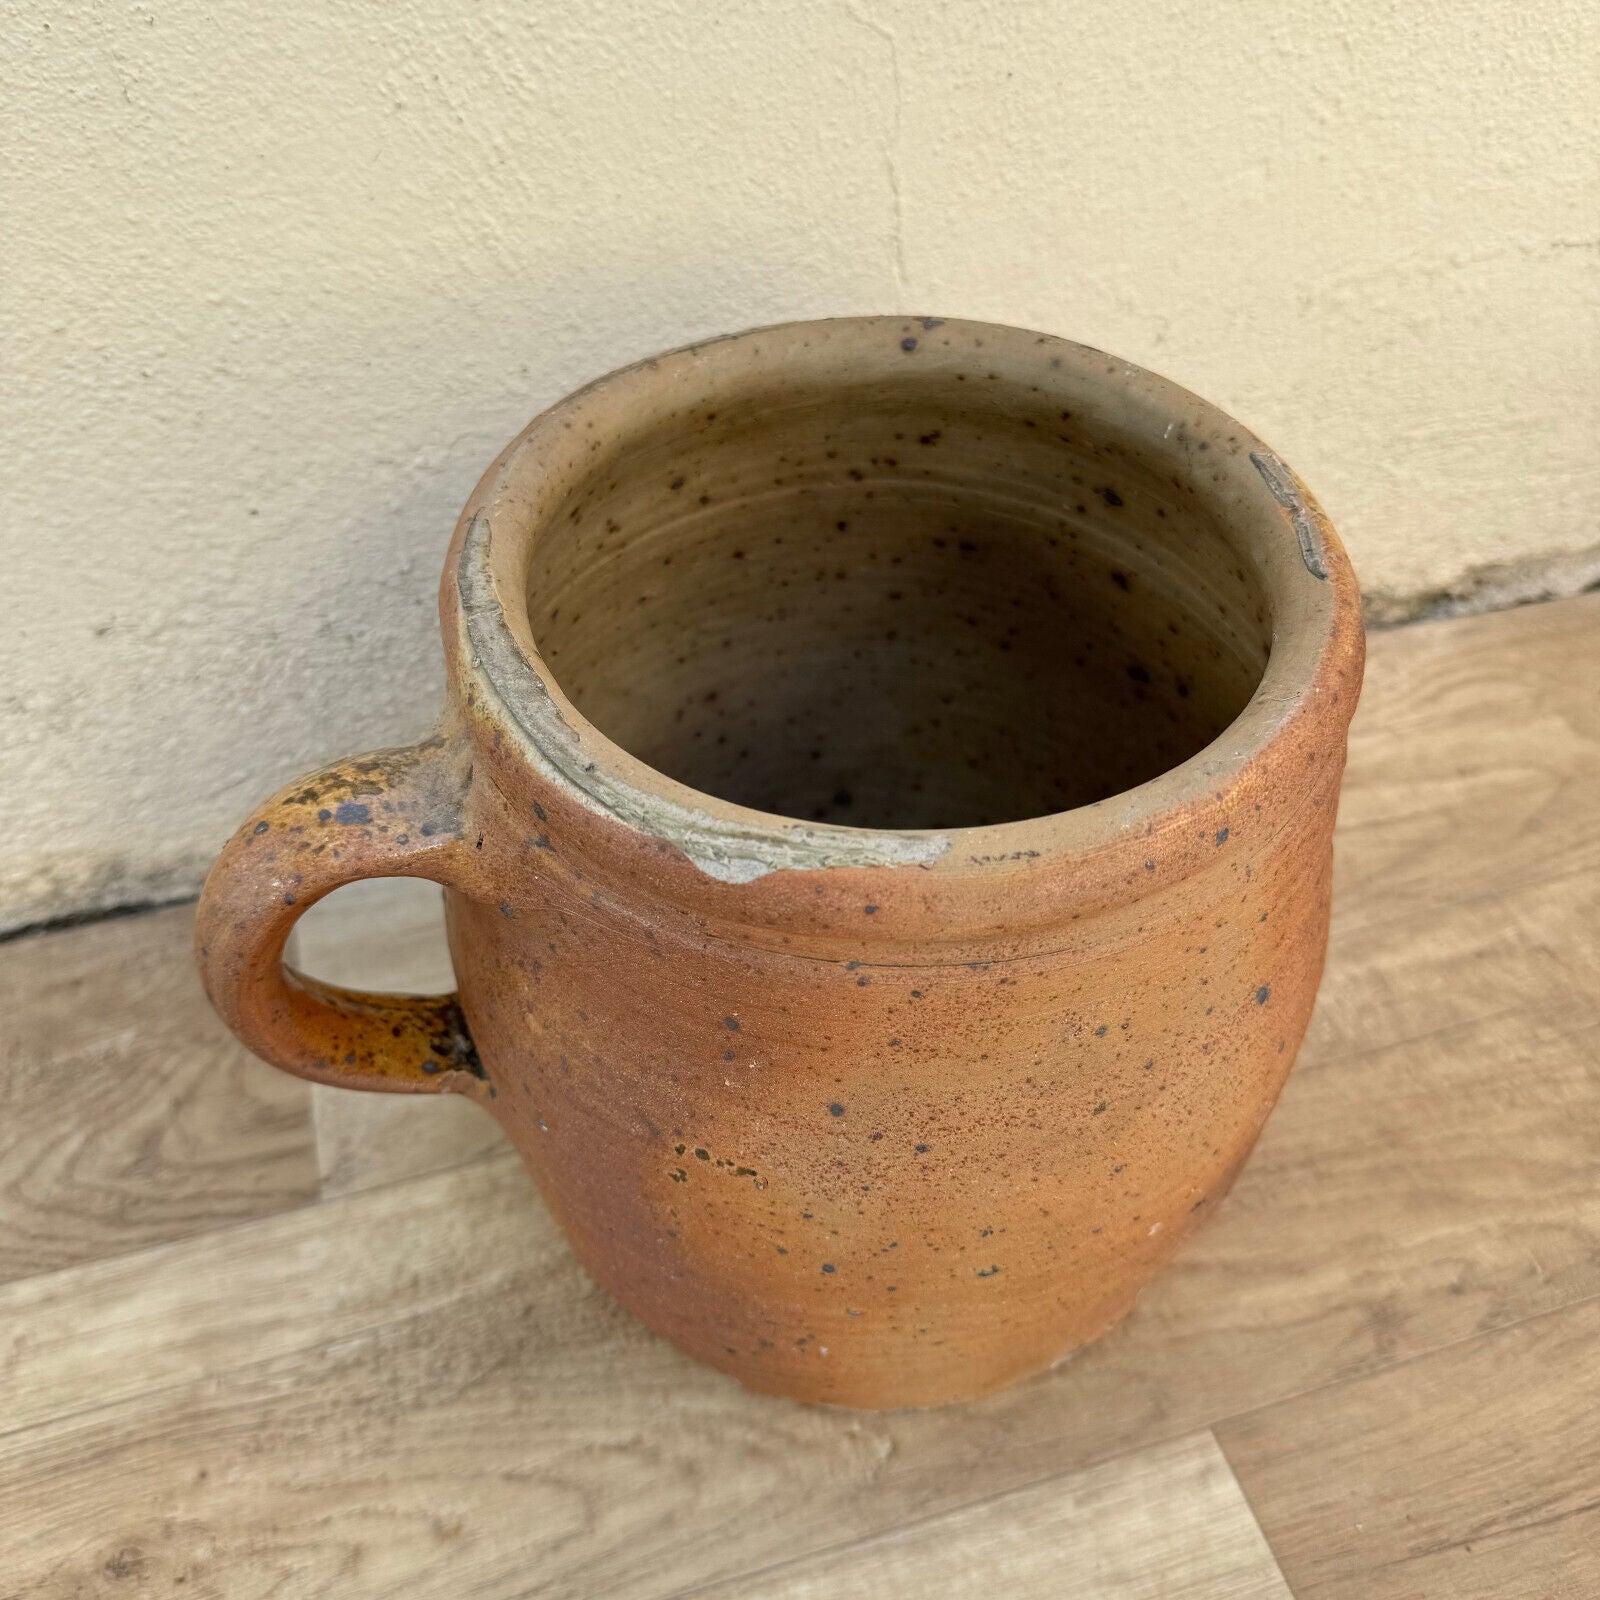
column 885, row 809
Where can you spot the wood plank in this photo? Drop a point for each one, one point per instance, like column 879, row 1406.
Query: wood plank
column 509, row 1404
column 363, row 1418
column 1426, row 1178
column 1166, row 1523
column 1443, row 1183
column 1474, row 761
column 1472, row 1472
column 386, row 934
column 136, row 1324
column 128, row 1114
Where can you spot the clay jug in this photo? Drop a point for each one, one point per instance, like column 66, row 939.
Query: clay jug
column 884, row 804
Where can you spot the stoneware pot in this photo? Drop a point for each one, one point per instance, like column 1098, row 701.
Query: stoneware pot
column 884, row 807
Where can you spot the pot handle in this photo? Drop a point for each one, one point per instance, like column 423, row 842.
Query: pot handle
column 392, row 813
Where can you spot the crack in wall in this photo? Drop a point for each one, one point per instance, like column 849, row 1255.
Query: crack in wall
column 891, row 147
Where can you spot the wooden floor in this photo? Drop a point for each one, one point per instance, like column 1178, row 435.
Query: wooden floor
column 258, row 1340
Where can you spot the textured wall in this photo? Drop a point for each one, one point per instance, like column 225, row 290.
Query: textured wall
column 279, row 280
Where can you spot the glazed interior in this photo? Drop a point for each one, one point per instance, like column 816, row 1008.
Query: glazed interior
column 916, row 601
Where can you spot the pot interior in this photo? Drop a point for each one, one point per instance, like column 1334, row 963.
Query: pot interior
column 912, row 603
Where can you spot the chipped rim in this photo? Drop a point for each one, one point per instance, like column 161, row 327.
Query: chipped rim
column 1277, row 524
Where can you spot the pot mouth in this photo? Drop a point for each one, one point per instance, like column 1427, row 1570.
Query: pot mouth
column 1222, row 599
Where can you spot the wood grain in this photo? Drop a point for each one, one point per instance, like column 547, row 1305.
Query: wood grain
column 1166, row 1523
column 348, row 1419
column 1473, row 1472
column 269, row 1385
column 137, row 1324
column 128, row 1114
column 1474, row 762
column 410, row 1390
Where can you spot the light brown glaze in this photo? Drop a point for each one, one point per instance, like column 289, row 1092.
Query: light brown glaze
column 885, row 813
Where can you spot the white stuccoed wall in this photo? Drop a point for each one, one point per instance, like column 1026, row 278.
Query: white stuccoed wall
column 279, row 280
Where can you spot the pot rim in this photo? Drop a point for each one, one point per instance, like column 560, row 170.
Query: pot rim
column 1310, row 681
